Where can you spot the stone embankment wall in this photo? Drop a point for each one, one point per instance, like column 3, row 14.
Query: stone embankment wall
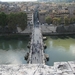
column 65, row 29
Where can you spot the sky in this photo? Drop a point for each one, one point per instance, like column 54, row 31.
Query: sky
column 15, row 0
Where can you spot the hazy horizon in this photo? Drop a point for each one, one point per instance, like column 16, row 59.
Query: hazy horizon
column 16, row 0
column 36, row 0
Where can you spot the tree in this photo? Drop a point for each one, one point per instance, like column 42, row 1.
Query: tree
column 17, row 19
column 57, row 21
column 22, row 20
column 11, row 20
column 66, row 21
column 48, row 20
column 72, row 20
column 3, row 19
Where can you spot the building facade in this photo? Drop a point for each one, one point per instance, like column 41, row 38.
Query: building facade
column 30, row 17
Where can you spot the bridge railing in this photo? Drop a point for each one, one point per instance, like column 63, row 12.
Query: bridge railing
column 42, row 47
column 30, row 54
column 31, row 47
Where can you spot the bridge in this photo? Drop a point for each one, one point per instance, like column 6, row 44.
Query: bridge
column 36, row 53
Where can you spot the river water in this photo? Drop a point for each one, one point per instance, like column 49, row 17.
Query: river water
column 59, row 49
column 13, row 51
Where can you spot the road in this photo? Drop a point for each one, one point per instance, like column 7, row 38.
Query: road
column 44, row 28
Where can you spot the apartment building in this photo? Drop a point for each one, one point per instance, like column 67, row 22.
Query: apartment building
column 30, row 17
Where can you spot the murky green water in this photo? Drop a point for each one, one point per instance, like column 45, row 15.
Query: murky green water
column 13, row 51
column 60, row 49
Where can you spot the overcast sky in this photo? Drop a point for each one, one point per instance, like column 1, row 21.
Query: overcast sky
column 15, row 0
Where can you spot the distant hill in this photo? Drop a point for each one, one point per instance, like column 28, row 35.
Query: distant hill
column 56, row 0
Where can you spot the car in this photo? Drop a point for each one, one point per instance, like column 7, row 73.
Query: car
column 51, row 24
column 42, row 24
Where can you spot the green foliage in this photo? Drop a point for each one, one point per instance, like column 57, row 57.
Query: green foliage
column 17, row 19
column 22, row 20
column 48, row 20
column 57, row 21
column 66, row 20
column 72, row 20
column 3, row 19
column 13, row 20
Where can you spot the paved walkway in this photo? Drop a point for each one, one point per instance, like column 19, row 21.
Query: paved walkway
column 37, row 47
column 44, row 28
column 49, row 29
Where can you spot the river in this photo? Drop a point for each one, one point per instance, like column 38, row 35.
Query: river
column 13, row 51
column 59, row 49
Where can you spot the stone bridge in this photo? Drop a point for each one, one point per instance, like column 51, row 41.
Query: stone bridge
column 36, row 53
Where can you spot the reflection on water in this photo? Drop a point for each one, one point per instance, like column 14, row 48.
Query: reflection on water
column 60, row 49
column 13, row 51
column 10, row 47
column 72, row 49
column 51, row 43
column 12, row 57
column 19, row 44
column 3, row 46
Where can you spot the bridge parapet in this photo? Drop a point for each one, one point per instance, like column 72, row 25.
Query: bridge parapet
column 30, row 51
column 36, row 54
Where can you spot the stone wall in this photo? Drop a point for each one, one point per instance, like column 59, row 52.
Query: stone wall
column 59, row 68
column 63, row 29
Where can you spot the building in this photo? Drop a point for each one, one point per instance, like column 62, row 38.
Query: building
column 71, row 10
column 42, row 15
column 44, row 0
column 30, row 17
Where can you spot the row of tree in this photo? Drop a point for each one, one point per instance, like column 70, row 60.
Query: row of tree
column 59, row 21
column 13, row 20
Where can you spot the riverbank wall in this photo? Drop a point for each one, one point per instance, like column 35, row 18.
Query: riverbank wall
column 16, row 35
column 58, row 34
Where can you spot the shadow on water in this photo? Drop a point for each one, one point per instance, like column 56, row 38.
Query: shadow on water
column 16, row 37
column 72, row 36
column 63, row 37
column 54, row 37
